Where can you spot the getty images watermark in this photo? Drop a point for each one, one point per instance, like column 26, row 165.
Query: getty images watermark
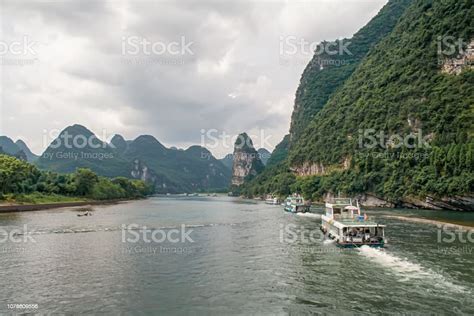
column 371, row 138
column 143, row 238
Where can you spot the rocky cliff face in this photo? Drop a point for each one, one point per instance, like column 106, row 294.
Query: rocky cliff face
column 457, row 203
column 247, row 163
column 141, row 171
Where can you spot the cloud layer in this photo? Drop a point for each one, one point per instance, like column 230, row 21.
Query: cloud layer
column 84, row 67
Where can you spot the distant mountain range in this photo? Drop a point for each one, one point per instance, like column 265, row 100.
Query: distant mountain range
column 17, row 149
column 168, row 169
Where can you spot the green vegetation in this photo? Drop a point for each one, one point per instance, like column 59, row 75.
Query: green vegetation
column 280, row 152
column 168, row 170
column 398, row 83
column 77, row 147
column 40, row 198
column 25, row 183
column 18, row 149
column 327, row 71
column 398, row 89
column 275, row 179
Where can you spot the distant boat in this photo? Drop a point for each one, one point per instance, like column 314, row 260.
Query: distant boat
column 295, row 204
column 344, row 223
column 86, row 213
column 272, row 200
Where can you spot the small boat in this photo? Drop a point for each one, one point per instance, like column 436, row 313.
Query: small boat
column 86, row 213
column 344, row 223
column 295, row 204
column 272, row 200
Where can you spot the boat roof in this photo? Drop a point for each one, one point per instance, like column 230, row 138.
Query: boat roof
column 337, row 204
column 340, row 201
column 351, row 207
column 343, row 223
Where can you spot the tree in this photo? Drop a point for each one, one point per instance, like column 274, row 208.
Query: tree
column 85, row 180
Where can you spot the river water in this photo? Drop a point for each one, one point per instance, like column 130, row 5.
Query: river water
column 232, row 257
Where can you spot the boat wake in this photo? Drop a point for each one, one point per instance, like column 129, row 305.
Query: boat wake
column 406, row 270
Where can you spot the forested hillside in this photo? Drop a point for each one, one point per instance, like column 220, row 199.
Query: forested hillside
column 167, row 169
column 335, row 62
column 402, row 91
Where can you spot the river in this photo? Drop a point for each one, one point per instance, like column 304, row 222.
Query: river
column 232, row 256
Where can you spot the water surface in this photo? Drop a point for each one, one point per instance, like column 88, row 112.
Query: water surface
column 242, row 259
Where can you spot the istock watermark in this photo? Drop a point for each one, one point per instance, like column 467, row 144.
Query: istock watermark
column 23, row 47
column 291, row 233
column 214, row 138
column 18, row 52
column 450, row 46
column 141, row 46
column 295, row 51
column 294, row 45
column 16, row 235
column 134, row 233
column 448, row 234
column 54, row 139
column 371, row 138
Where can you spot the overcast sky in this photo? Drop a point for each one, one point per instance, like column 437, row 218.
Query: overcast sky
column 176, row 70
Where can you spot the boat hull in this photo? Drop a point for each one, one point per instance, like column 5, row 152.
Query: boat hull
column 289, row 209
column 299, row 209
column 358, row 245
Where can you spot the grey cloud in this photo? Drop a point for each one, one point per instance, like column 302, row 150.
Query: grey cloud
column 232, row 83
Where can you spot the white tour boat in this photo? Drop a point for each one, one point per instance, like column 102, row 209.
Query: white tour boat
column 344, row 223
column 295, row 204
column 272, row 200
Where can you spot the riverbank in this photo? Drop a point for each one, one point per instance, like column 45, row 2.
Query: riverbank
column 48, row 206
